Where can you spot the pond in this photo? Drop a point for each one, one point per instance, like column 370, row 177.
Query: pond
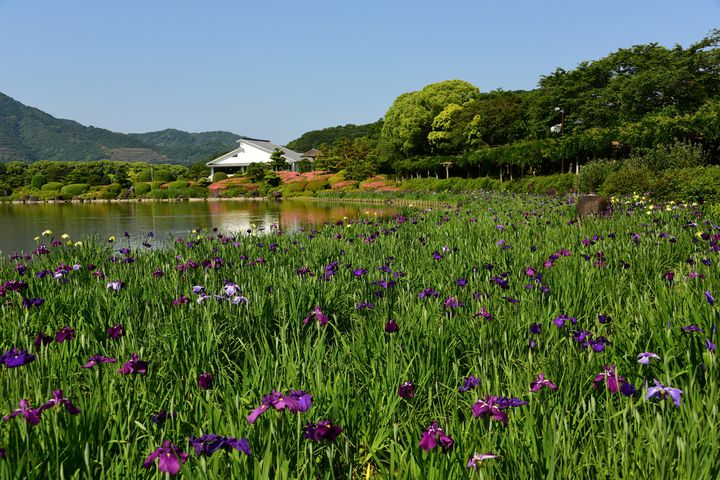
column 21, row 223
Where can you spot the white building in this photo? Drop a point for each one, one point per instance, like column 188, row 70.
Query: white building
column 250, row 150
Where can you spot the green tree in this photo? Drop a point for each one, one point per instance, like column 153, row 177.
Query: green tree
column 256, row 172
column 278, row 160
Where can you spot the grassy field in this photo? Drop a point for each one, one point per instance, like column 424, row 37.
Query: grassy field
column 379, row 324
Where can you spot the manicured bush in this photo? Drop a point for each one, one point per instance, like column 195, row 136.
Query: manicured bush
column 74, row 189
column 177, row 184
column 219, row 176
column 316, row 185
column 51, row 186
column 110, row 191
column 304, row 166
column 156, row 185
column 629, row 179
column 38, row 181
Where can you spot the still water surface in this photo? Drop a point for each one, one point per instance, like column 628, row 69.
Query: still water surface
column 19, row 224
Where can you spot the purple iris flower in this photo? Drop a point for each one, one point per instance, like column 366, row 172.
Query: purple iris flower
column 435, row 436
column 562, row 319
column 461, row 282
column 452, row 303
column 31, row 415
column 669, row 276
column 170, row 458
column 16, row 358
column 661, row 391
column 42, row 339
column 322, row 430
column 96, row 359
column 115, row 285
column 59, row 400
column 500, row 282
column 162, row 416
column 364, row 306
column 692, row 329
column 710, row 346
column 484, row 313
column 437, row 256
column 319, row 315
column 116, row 331
column 470, row 382
column 598, row 344
column 3, row 453
column 710, row 299
column 158, row 273
column 181, row 300
column 359, row 272
column 205, row 381
column 297, row 401
column 428, row 292
column 540, row 381
column 134, row 365
column 645, row 357
column 610, row 378
column 391, row 326
column 535, row 328
column 479, row 457
column 64, row 334
column 406, row 390
column 604, row 318
column 198, row 289
column 32, row 302
column 208, row 444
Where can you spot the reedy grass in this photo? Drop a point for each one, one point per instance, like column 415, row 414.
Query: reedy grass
column 353, row 368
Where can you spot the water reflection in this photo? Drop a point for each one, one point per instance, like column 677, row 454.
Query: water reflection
column 21, row 223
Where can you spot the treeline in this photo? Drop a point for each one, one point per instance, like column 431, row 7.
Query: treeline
column 99, row 179
column 617, row 107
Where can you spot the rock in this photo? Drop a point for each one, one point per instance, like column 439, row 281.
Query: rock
column 593, row 205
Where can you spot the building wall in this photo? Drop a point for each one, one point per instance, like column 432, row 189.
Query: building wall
column 250, row 155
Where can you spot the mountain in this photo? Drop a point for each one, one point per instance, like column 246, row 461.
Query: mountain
column 28, row 134
column 329, row 136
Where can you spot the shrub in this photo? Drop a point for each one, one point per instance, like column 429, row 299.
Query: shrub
column 304, row 166
column 315, row 185
column 110, row 191
column 629, row 179
column 256, row 172
column 662, row 157
column 594, row 173
column 142, row 188
column 294, row 187
column 272, row 179
column 74, row 189
column 51, row 186
column 178, row 184
column 38, row 181
column 219, row 176
column 156, row 185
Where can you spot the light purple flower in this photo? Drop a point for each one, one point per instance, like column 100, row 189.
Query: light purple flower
column 435, row 436
column 710, row 299
column 540, row 381
column 661, row 391
column 645, row 357
column 479, row 457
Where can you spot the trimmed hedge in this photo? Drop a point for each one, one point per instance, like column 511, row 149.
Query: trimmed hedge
column 74, row 189
column 51, row 186
column 142, row 188
column 315, row 185
column 219, row 176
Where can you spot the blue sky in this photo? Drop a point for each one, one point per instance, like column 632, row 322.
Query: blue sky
column 277, row 69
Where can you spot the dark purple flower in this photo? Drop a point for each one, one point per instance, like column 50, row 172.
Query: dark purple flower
column 535, row 328
column 604, row 318
column 32, row 302
column 452, row 303
column 322, row 430
column 170, row 458
column 692, row 329
column 660, row 391
column 162, row 416
column 181, row 300
column 461, row 282
column 562, row 319
column 391, row 326
column 511, row 299
column 205, row 381
column 31, row 415
column 319, row 315
column 158, row 273
column 627, row 389
column 479, row 457
column 483, row 313
column 64, row 334
column 3, row 453
column 406, row 390
column 428, row 292
column 116, row 331
column 16, row 358
column 500, row 282
column 434, row 436
column 96, row 359
column 42, row 339
column 669, row 276
column 710, row 299
column 59, row 400
column 208, row 444
column 540, row 381
column 365, row 306
column 359, row 272
column 134, row 365
column 610, row 378
column 710, row 346
column 470, row 382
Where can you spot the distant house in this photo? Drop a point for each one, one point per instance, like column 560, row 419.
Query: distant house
column 250, row 150
column 312, row 154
